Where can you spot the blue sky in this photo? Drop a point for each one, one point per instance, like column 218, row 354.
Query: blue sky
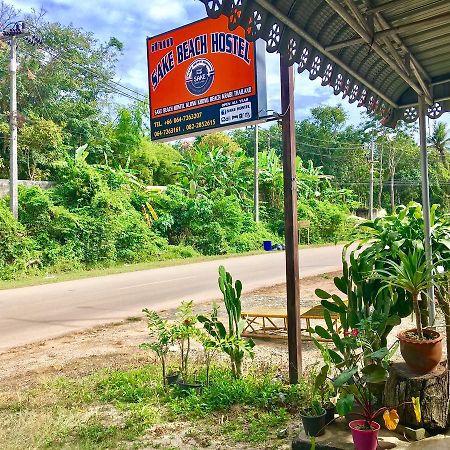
column 131, row 21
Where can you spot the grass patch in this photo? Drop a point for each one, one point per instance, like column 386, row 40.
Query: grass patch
column 255, row 426
column 116, row 409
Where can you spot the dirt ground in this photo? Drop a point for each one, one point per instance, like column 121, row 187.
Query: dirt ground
column 116, row 345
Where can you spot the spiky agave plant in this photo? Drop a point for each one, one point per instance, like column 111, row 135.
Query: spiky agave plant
column 413, row 274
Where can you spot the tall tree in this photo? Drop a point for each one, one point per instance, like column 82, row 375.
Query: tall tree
column 65, row 81
column 440, row 141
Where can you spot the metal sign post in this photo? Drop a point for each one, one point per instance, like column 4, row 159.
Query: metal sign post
column 256, row 176
column 426, row 201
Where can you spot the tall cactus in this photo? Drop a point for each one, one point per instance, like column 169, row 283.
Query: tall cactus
column 232, row 300
column 232, row 343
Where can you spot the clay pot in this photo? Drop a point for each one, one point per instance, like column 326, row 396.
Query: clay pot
column 364, row 439
column 421, row 356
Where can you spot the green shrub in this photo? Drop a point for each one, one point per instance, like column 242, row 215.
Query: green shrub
column 77, row 185
column 16, row 248
column 329, row 221
column 253, row 238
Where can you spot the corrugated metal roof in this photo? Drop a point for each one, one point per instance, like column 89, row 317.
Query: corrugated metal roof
column 381, row 54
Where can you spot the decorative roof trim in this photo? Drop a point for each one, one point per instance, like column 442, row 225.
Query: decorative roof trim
column 261, row 19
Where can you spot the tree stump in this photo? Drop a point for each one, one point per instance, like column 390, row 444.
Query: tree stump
column 433, row 389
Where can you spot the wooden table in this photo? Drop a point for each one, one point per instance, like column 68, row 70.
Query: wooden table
column 272, row 322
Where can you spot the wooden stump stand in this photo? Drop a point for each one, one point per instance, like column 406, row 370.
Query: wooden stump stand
column 433, row 389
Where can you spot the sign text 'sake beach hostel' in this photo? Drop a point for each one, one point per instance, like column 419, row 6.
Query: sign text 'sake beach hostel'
column 203, row 76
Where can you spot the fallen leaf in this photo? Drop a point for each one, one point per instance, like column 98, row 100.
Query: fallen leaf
column 417, row 411
column 391, row 419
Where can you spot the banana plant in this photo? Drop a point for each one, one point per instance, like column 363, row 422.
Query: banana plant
column 230, row 342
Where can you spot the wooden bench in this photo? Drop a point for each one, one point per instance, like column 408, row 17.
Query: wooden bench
column 272, row 322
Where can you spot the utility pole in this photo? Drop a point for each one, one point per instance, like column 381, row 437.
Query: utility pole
column 291, row 221
column 256, row 176
column 10, row 34
column 371, row 180
column 13, row 171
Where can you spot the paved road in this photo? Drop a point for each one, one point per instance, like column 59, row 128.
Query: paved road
column 39, row 312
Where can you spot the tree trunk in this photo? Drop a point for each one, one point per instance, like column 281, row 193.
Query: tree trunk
column 433, row 390
column 163, row 365
column 380, row 192
column 392, row 192
column 238, row 365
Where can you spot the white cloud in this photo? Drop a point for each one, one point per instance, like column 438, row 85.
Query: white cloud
column 173, row 11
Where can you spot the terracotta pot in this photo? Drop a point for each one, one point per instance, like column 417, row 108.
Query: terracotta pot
column 364, row 439
column 421, row 356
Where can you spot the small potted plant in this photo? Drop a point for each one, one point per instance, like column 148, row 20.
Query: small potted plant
column 421, row 348
column 184, row 330
column 161, row 334
column 313, row 414
column 172, row 377
column 365, row 428
column 328, row 401
column 209, row 344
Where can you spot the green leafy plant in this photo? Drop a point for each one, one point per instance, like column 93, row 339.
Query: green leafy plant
column 358, row 393
column 358, row 367
column 364, row 301
column 162, row 334
column 183, row 331
column 231, row 342
column 209, row 344
column 315, row 392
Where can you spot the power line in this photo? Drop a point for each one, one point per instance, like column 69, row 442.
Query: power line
column 111, row 85
column 55, row 54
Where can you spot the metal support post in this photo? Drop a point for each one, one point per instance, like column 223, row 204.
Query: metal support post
column 290, row 220
column 426, row 201
column 256, row 176
column 13, row 171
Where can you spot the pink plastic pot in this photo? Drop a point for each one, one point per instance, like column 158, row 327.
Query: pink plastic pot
column 364, row 439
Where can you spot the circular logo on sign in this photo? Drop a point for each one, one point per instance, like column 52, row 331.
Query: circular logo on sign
column 199, row 76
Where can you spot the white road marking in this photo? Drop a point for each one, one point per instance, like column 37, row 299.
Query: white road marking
column 155, row 282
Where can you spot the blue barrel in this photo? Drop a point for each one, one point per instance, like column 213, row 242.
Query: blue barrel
column 267, row 246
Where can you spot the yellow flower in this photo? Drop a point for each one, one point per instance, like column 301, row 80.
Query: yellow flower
column 416, row 404
column 391, row 419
